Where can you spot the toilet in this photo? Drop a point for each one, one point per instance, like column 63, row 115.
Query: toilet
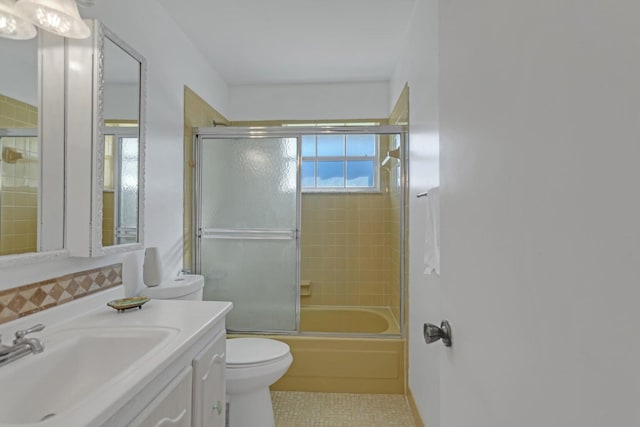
column 187, row 287
column 253, row 364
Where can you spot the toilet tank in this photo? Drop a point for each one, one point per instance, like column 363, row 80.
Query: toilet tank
column 187, row 287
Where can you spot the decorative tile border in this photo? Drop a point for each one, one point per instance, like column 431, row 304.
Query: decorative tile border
column 34, row 297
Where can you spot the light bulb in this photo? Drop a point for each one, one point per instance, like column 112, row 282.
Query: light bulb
column 51, row 20
column 12, row 23
column 7, row 24
column 56, row 16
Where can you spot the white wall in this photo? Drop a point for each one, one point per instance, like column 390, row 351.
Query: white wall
column 539, row 121
column 19, row 74
column 121, row 101
column 419, row 68
column 172, row 62
column 328, row 101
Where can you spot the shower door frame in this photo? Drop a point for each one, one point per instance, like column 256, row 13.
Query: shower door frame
column 260, row 132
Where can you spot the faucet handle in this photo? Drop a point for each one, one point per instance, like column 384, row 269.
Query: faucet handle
column 21, row 333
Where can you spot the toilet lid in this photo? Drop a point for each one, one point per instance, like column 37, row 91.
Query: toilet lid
column 176, row 287
column 250, row 351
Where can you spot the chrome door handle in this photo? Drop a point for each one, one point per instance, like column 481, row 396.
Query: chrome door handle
column 432, row 333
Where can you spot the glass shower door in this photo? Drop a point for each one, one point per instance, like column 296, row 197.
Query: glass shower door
column 247, row 246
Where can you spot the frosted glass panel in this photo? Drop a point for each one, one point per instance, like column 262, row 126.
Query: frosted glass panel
column 258, row 276
column 249, row 221
column 249, row 183
column 128, row 194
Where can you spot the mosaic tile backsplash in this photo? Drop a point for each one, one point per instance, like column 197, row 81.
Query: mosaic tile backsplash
column 34, row 297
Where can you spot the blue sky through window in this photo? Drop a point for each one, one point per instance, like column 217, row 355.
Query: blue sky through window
column 334, row 162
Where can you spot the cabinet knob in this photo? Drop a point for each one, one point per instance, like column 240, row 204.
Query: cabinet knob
column 218, row 359
column 217, row 407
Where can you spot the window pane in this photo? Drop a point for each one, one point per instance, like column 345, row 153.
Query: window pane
column 330, row 145
column 308, row 146
column 361, row 145
column 330, row 174
column 360, row 173
column 308, row 174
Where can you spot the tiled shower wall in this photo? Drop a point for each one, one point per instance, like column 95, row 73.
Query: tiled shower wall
column 18, row 180
column 350, row 245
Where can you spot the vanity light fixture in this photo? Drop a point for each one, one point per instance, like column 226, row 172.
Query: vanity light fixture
column 12, row 24
column 60, row 17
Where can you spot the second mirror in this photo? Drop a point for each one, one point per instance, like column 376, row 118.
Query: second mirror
column 106, row 76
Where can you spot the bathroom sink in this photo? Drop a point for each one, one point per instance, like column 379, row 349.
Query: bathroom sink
column 76, row 364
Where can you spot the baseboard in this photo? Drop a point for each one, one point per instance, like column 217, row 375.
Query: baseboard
column 414, row 409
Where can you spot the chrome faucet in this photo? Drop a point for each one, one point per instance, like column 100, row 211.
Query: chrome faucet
column 21, row 345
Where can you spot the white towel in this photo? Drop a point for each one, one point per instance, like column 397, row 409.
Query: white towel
column 432, row 234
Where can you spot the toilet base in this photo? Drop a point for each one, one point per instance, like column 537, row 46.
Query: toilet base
column 260, row 413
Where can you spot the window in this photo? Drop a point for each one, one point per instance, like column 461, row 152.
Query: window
column 332, row 162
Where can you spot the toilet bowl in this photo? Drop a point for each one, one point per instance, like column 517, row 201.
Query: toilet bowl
column 187, row 287
column 253, row 364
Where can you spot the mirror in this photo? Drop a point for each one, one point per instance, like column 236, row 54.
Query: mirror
column 20, row 154
column 121, row 144
column 107, row 76
column 31, row 148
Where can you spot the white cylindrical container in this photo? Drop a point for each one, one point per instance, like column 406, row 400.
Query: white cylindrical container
column 152, row 267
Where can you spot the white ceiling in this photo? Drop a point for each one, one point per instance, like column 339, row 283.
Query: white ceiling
column 296, row 41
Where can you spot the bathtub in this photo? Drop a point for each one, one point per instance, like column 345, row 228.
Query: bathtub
column 338, row 363
column 347, row 319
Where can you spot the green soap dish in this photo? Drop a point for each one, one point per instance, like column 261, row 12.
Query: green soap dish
column 127, row 303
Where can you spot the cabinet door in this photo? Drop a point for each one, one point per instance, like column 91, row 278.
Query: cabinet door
column 172, row 407
column 209, row 408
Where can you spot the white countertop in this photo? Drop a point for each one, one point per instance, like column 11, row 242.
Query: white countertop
column 191, row 320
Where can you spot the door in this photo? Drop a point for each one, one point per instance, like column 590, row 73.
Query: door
column 248, row 215
column 540, row 232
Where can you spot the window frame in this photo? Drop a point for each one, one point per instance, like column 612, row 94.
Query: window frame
column 375, row 159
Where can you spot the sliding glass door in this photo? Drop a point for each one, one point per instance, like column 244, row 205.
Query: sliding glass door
column 247, row 229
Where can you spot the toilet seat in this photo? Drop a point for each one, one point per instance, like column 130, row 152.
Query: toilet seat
column 253, row 352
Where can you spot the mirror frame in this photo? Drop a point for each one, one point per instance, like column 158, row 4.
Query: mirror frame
column 85, row 143
column 51, row 141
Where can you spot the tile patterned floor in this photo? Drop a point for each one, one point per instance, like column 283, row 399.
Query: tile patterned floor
column 302, row 409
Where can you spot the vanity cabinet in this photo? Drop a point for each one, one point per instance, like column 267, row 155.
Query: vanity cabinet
column 172, row 407
column 196, row 396
column 209, row 409
column 188, row 392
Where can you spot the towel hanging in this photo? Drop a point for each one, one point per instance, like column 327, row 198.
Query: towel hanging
column 432, row 233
